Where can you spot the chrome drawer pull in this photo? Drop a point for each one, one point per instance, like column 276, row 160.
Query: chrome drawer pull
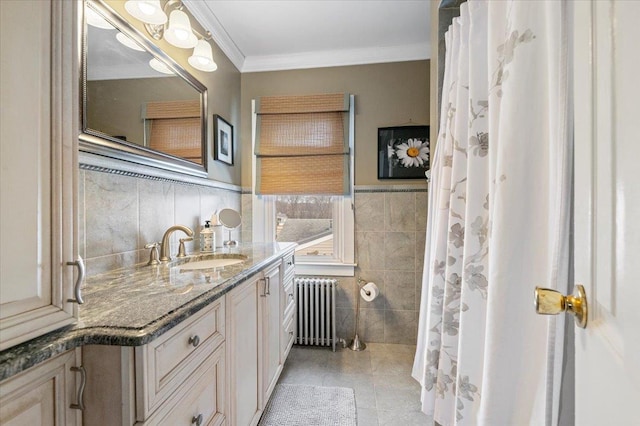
column 194, row 340
column 76, row 288
column 268, row 286
column 197, row 420
column 83, row 382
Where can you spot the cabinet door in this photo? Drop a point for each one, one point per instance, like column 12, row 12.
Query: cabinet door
column 243, row 355
column 38, row 167
column 41, row 395
column 270, row 292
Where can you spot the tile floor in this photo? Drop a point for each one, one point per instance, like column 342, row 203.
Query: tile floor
column 386, row 394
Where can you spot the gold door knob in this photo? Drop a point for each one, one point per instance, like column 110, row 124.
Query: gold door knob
column 552, row 302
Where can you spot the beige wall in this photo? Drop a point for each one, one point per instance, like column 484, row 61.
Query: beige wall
column 386, row 95
column 223, row 93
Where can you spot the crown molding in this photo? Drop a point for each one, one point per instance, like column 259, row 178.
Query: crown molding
column 200, row 10
column 336, row 58
column 317, row 59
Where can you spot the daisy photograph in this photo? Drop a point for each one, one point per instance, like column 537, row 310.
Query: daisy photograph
column 403, row 152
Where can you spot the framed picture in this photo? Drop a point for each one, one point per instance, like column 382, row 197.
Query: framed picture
column 222, row 140
column 403, row 152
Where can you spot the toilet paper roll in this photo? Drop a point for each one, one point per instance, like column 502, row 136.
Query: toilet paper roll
column 369, row 291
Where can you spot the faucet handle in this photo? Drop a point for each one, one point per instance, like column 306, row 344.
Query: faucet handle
column 153, row 255
column 181, row 250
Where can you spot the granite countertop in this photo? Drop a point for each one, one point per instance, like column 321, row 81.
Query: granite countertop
column 133, row 306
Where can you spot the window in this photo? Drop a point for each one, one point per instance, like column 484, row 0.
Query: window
column 309, row 202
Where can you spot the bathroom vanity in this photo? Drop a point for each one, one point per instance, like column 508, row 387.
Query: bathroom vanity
column 165, row 344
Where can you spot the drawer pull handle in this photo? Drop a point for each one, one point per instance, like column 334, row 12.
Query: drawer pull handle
column 291, row 296
column 197, row 420
column 268, row 286
column 79, row 280
column 194, row 340
column 289, row 263
column 264, row 292
column 83, row 382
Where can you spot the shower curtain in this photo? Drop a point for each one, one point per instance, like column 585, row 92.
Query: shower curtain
column 499, row 218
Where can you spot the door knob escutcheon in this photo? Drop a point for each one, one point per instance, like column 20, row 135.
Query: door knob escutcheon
column 551, row 302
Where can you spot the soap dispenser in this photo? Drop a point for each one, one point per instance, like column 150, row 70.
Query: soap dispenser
column 207, row 238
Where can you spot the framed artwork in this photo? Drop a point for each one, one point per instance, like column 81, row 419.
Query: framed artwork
column 403, row 152
column 222, row 140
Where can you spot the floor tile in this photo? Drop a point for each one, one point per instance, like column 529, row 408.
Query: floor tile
column 391, row 363
column 401, row 418
column 367, row 417
column 380, row 376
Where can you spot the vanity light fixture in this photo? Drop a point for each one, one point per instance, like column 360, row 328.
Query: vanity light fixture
column 178, row 32
column 147, row 11
column 128, row 42
column 160, row 67
column 202, row 57
column 97, row 21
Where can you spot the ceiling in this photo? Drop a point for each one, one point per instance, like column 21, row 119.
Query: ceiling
column 268, row 35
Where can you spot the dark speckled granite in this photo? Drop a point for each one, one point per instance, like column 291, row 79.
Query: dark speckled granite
column 133, row 306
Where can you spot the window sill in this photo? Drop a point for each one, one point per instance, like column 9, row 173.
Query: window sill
column 326, row 269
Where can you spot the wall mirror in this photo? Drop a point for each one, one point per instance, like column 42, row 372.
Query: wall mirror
column 138, row 104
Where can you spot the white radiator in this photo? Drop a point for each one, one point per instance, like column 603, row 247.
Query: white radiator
column 316, row 304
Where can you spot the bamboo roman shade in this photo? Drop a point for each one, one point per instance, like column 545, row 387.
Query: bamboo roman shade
column 302, row 145
column 174, row 127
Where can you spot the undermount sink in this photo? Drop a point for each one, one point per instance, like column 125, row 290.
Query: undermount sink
column 212, row 262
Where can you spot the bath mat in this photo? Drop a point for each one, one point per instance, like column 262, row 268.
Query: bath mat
column 302, row 405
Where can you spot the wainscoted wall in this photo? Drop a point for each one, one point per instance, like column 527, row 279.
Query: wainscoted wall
column 119, row 214
column 390, row 227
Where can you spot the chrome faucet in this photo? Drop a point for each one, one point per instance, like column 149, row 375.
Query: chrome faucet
column 165, row 251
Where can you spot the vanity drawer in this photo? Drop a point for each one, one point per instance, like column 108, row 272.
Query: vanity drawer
column 164, row 364
column 288, row 335
column 288, row 298
column 200, row 400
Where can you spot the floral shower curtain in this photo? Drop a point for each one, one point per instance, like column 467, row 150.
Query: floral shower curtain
column 499, row 218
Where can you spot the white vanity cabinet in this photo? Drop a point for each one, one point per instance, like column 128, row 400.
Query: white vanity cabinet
column 270, row 319
column 42, row 395
column 256, row 342
column 38, row 167
column 243, row 354
column 178, row 378
column 288, row 309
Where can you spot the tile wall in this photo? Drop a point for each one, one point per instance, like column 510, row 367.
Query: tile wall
column 390, row 228
column 119, row 214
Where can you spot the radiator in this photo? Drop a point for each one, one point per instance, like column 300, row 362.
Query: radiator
column 316, row 304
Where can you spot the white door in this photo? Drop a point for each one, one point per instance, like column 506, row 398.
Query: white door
column 607, row 210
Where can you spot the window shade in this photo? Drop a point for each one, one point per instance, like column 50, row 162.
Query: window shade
column 302, row 145
column 173, row 127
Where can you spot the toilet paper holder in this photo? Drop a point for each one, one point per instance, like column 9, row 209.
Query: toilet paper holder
column 356, row 344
